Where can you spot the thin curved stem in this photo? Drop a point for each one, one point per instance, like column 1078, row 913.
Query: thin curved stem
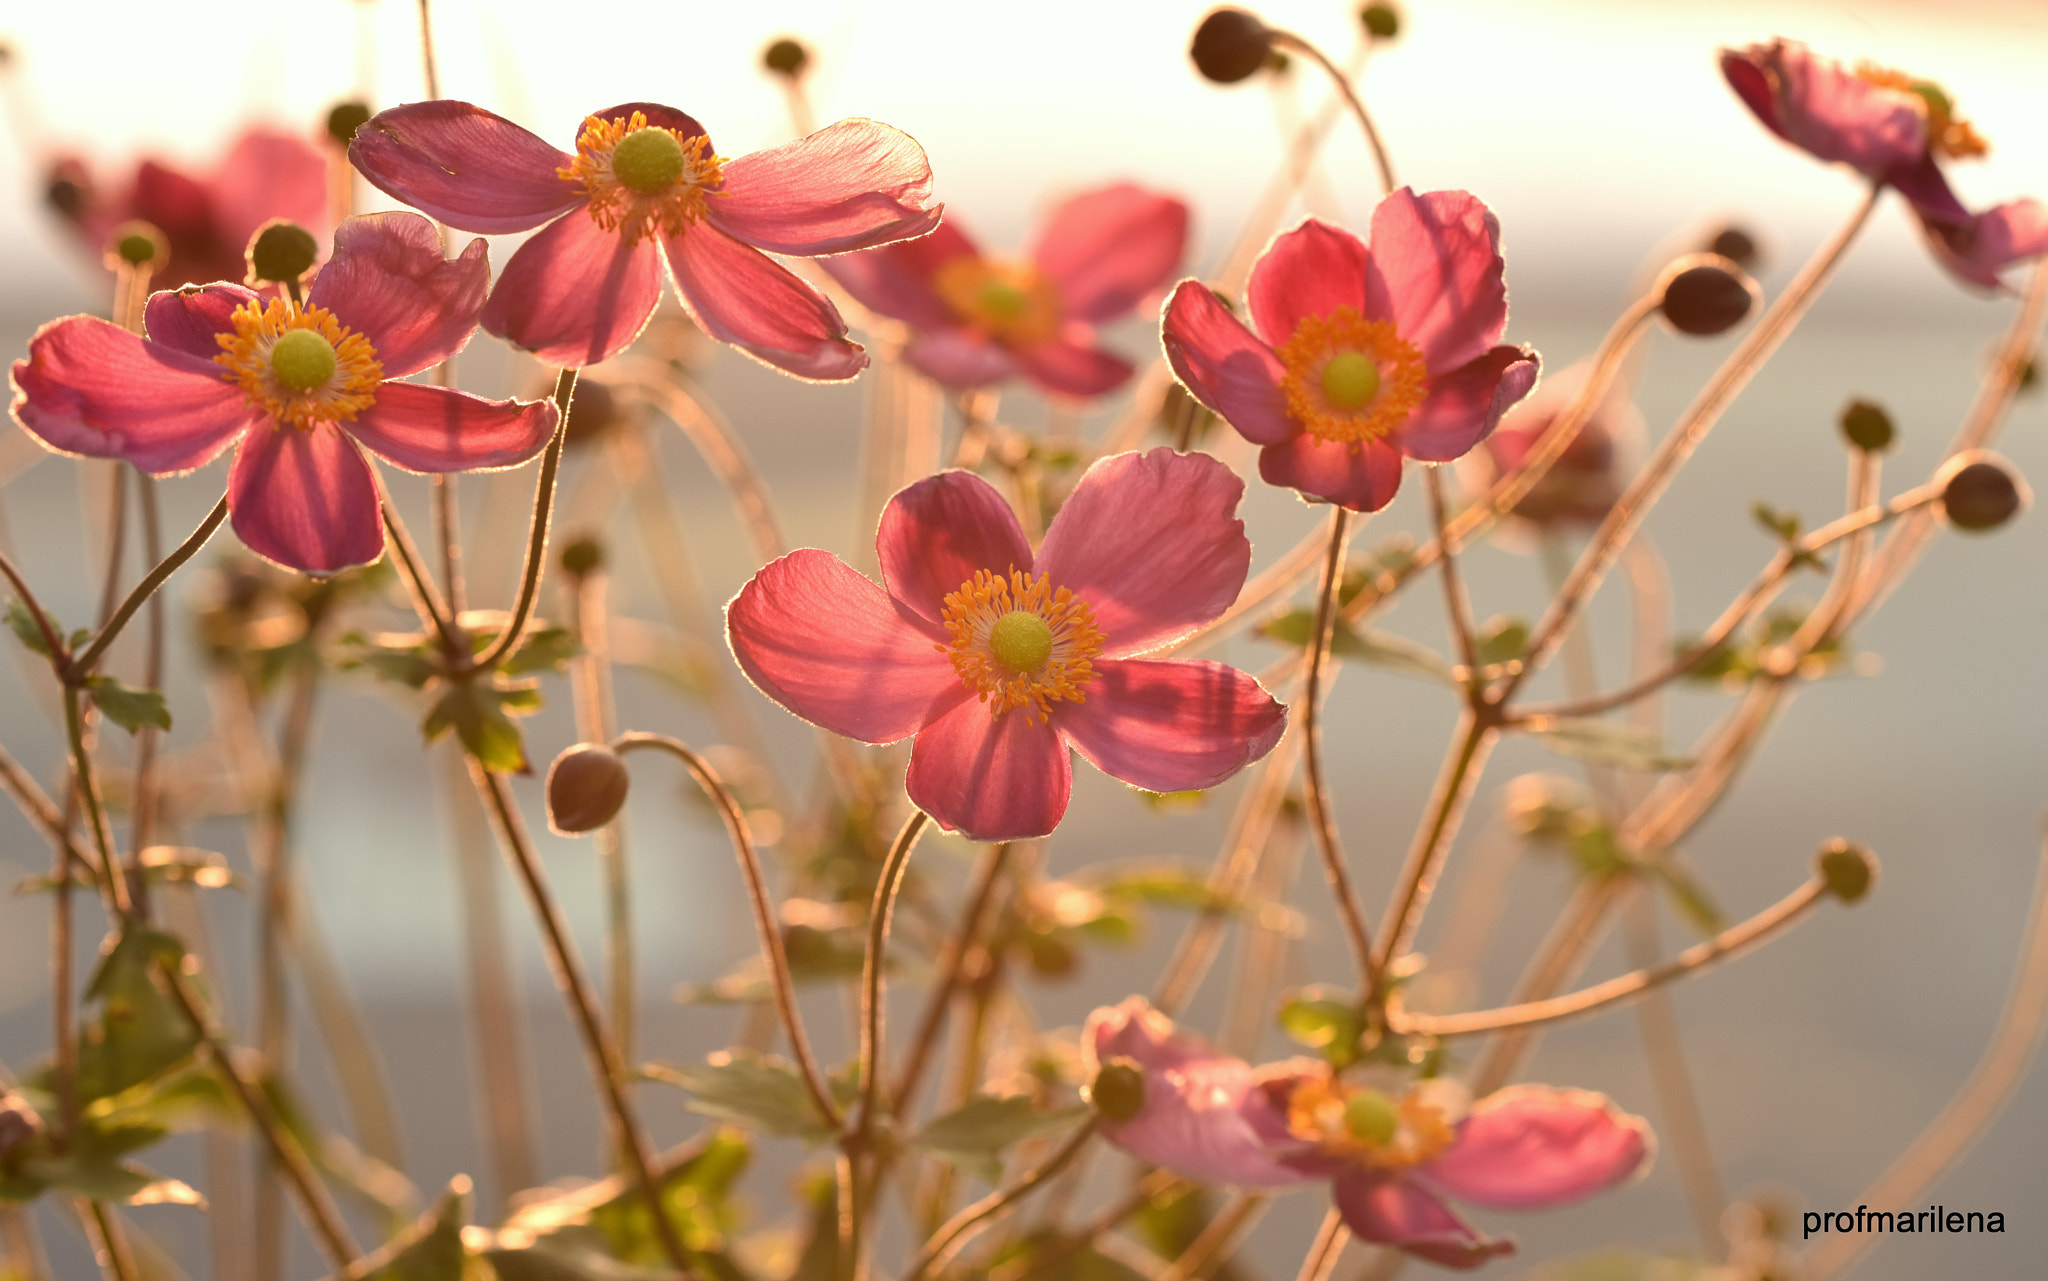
column 963, row 1226
column 90, row 656
column 537, row 534
column 1456, row 603
column 1328, row 1247
column 1288, row 40
column 887, row 886
column 426, row 598
column 1477, row 730
column 720, row 447
column 52, row 639
column 1321, row 822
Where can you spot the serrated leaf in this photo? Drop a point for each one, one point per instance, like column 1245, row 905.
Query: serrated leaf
column 138, row 1033
column 23, row 625
column 755, row 1091
column 428, row 1250
column 411, row 667
column 128, row 707
column 547, row 649
column 481, row 716
column 1501, row 640
column 1325, row 1020
column 973, row 1135
column 1608, row 742
column 1785, row 525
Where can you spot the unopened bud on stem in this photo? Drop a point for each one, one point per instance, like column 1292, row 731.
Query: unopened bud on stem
column 786, row 57
column 345, row 119
column 1118, row 1091
column 1848, row 868
column 137, row 244
column 1867, row 426
column 586, row 787
column 281, row 252
column 1980, row 491
column 1706, row 294
column 1230, row 45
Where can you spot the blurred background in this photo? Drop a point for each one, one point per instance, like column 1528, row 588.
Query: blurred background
column 1604, row 138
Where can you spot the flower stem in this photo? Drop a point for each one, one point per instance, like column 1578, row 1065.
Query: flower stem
column 1329, row 1245
column 1477, row 730
column 82, row 665
column 53, row 640
column 1321, row 822
column 1288, row 40
column 537, row 536
column 1456, row 604
column 952, row 970
column 110, row 1245
column 963, row 1226
column 426, row 598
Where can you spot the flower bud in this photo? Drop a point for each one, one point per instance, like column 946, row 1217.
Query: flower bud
column 67, row 194
column 1980, row 491
column 1849, row 869
column 137, row 244
column 1736, row 245
column 1118, row 1091
column 586, row 786
column 1230, row 45
column 1382, row 21
column 280, row 252
column 786, row 57
column 1706, row 294
column 1867, row 426
column 345, row 118
column 582, row 557
column 19, row 1126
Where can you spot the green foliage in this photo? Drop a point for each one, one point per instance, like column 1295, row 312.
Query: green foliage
column 1325, row 1020
column 23, row 625
column 1384, row 649
column 758, row 1091
column 481, row 713
column 974, row 1135
column 1607, row 742
column 128, row 707
column 429, row 1250
column 1172, row 1222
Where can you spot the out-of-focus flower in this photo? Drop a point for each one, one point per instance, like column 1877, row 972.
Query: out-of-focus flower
column 206, row 220
column 1587, row 478
column 1894, row 129
column 977, row 320
column 998, row 659
column 1358, row 357
column 644, row 195
column 1392, row 1149
column 295, row 390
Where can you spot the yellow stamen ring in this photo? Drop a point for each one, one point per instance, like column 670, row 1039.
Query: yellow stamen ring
column 1009, row 301
column 1350, row 379
column 300, row 367
column 1364, row 1124
column 1947, row 133
column 642, row 178
column 1017, row 642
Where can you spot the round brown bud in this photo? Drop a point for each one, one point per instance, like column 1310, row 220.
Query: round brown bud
column 67, row 195
column 1230, row 45
column 1706, row 294
column 281, row 251
column 1980, row 491
column 1118, row 1091
column 1736, row 245
column 1849, row 869
column 345, row 118
column 593, row 410
column 1382, row 21
column 582, row 556
column 786, row 57
column 1867, row 426
column 137, row 244
column 586, row 786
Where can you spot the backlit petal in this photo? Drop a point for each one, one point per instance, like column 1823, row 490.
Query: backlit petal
column 1223, row 365
column 1980, row 249
column 959, row 358
column 1173, row 725
column 1532, row 1146
column 191, row 319
column 1386, row 1209
column 1464, row 405
column 461, row 164
column 1072, row 365
column 990, row 778
column 575, row 294
column 389, row 282
column 896, row 280
column 1110, row 249
column 439, row 429
column 1310, row 270
column 1362, row 477
column 268, row 175
column 852, row 185
column 1824, row 108
column 305, row 499
column 741, row 296
column 90, row 387
column 1435, row 270
column 935, row 534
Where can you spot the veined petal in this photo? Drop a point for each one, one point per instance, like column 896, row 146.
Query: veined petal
column 1991, row 241
column 896, row 280
column 1362, row 477
column 575, row 294
column 741, row 296
column 1171, row 725
column 1224, row 365
column 935, row 534
column 990, row 778
column 1464, row 405
column 1824, row 108
column 461, row 164
column 1152, row 542
column 304, row 499
column 1386, row 1209
column 1926, row 188
column 389, row 282
column 439, row 429
column 825, row 642
column 1435, row 270
column 1310, row 270
column 1110, row 249
column 959, row 358
column 1532, row 1146
column 268, row 175
column 1072, row 365
column 658, row 115
column 192, row 319
column 852, row 185
column 90, row 387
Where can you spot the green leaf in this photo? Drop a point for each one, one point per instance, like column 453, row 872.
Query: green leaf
column 139, row 1033
column 23, row 625
column 1785, row 525
column 1688, row 896
column 1608, row 742
column 481, row 716
column 973, row 1135
column 1382, row 648
column 547, row 649
column 405, row 660
column 1324, row 1019
column 429, row 1250
column 128, row 707
column 759, row 1092
column 1046, row 1255
column 1502, row 640
column 818, row 1191
column 1173, row 1222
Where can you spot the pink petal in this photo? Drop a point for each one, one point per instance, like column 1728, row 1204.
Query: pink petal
column 90, row 387
column 389, row 282
column 1152, row 542
column 1531, row 1146
column 1991, row 241
column 826, row 643
column 305, row 499
column 741, row 296
column 1464, row 405
column 439, row 429
column 461, row 164
column 181, row 207
column 1926, row 188
column 959, row 358
column 1822, row 107
column 1070, row 365
column 1108, row 250
column 1224, row 366
column 270, row 175
column 1309, row 271
column 1436, row 272
column 852, row 185
column 661, row 117
column 1362, row 477
column 990, row 778
column 1386, row 1209
column 191, row 319
column 896, row 280
column 575, row 294
column 935, row 534
column 1171, row 726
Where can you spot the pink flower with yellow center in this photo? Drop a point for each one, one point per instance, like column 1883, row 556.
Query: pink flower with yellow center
column 998, row 659
column 1357, row 356
column 645, row 197
column 976, row 320
column 1392, row 1149
column 298, row 392
column 1894, row 129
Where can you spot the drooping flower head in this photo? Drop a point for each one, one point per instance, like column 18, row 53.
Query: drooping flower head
column 1359, row 356
column 296, row 390
column 998, row 658
column 1891, row 128
column 1581, row 487
column 646, row 196
column 1392, row 1148
column 977, row 319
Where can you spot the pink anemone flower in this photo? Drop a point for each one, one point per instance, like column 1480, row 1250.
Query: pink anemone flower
column 1393, row 1150
column 1583, row 485
column 977, row 320
column 643, row 197
column 998, row 659
column 296, row 390
column 1359, row 356
column 1894, row 129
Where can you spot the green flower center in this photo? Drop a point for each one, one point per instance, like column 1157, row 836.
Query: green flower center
column 1351, row 380
column 1020, row 641
column 648, row 161
column 302, row 360
column 1372, row 1118
column 1002, row 300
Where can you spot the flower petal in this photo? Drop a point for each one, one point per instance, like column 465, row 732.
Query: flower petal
column 1152, row 542
column 1223, row 365
column 575, row 294
column 439, row 429
column 852, row 185
column 741, row 296
column 1386, row 1209
column 90, row 387
column 1309, row 271
column 935, row 534
column 1991, row 241
column 1464, row 405
column 268, row 175
column 389, row 282
column 1436, row 272
column 825, row 642
column 1072, row 365
column 305, row 499
column 1825, row 109
column 1362, row 477
column 959, row 358
column 658, row 115
column 191, row 319
column 1926, row 188
column 1110, row 249
column 1171, row 726
column 1532, row 1146
column 988, row 777
column 896, row 280
column 465, row 166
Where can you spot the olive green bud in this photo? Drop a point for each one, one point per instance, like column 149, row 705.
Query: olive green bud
column 345, row 118
column 1736, row 245
column 1706, row 294
column 1118, row 1091
column 786, row 57
column 137, row 244
column 1382, row 21
column 586, row 787
column 280, row 252
column 1849, row 869
column 1867, row 426
column 1980, row 491
column 582, row 556
column 1230, row 45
